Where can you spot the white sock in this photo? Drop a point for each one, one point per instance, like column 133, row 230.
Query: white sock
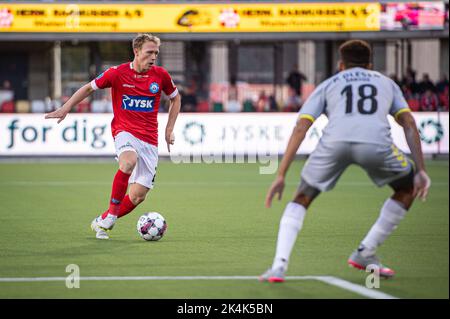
column 391, row 215
column 290, row 224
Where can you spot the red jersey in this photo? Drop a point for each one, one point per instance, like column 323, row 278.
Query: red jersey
column 135, row 99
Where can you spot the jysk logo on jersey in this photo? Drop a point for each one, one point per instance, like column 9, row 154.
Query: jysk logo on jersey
column 154, row 88
column 138, row 103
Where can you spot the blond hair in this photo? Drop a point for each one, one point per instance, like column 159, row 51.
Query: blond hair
column 141, row 38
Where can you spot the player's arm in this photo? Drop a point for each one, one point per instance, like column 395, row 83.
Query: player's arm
column 421, row 180
column 76, row 98
column 402, row 115
column 296, row 139
column 171, row 91
column 312, row 109
column 174, row 109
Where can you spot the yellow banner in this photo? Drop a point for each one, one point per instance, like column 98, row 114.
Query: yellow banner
column 171, row 18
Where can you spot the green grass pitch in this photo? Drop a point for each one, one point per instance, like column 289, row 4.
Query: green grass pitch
column 217, row 226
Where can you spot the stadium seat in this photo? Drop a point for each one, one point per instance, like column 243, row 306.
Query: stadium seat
column 53, row 105
column 83, row 107
column 248, row 106
column 7, row 107
column 6, row 96
column 217, row 107
column 99, row 106
column 38, row 106
column 109, row 107
column 203, row 106
column 443, row 98
column 414, row 105
column 23, row 106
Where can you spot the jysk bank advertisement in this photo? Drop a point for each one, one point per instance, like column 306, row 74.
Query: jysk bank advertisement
column 195, row 134
column 193, row 17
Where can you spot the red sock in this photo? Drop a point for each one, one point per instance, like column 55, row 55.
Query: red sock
column 119, row 189
column 105, row 214
column 126, row 207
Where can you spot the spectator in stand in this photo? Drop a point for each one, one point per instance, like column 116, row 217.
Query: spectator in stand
column 410, row 80
column 293, row 102
column 395, row 78
column 413, row 101
column 442, row 85
column 6, row 97
column 410, row 83
column 6, row 85
column 273, row 105
column 233, row 103
column 442, row 91
column 295, row 81
column 262, row 103
column 429, row 101
column 411, row 73
column 426, row 84
column 189, row 100
column 407, row 92
column 443, row 101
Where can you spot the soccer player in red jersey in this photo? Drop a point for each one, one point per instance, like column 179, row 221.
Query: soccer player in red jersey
column 136, row 92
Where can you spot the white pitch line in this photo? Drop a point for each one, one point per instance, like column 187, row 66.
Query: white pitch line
column 358, row 289
column 179, row 183
column 334, row 281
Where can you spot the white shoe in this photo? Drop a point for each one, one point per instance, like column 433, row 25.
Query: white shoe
column 108, row 222
column 100, row 232
column 273, row 275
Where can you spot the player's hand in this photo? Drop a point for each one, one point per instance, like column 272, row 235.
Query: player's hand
column 421, row 185
column 59, row 114
column 276, row 188
column 170, row 139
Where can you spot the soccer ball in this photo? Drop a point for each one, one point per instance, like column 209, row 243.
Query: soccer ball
column 151, row 226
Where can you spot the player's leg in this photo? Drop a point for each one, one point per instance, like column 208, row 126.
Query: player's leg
column 136, row 195
column 127, row 163
column 320, row 173
column 142, row 180
column 292, row 222
column 404, row 190
column 105, row 222
column 126, row 149
column 290, row 225
column 394, row 209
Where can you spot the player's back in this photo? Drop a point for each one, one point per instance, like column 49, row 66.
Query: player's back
column 356, row 102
